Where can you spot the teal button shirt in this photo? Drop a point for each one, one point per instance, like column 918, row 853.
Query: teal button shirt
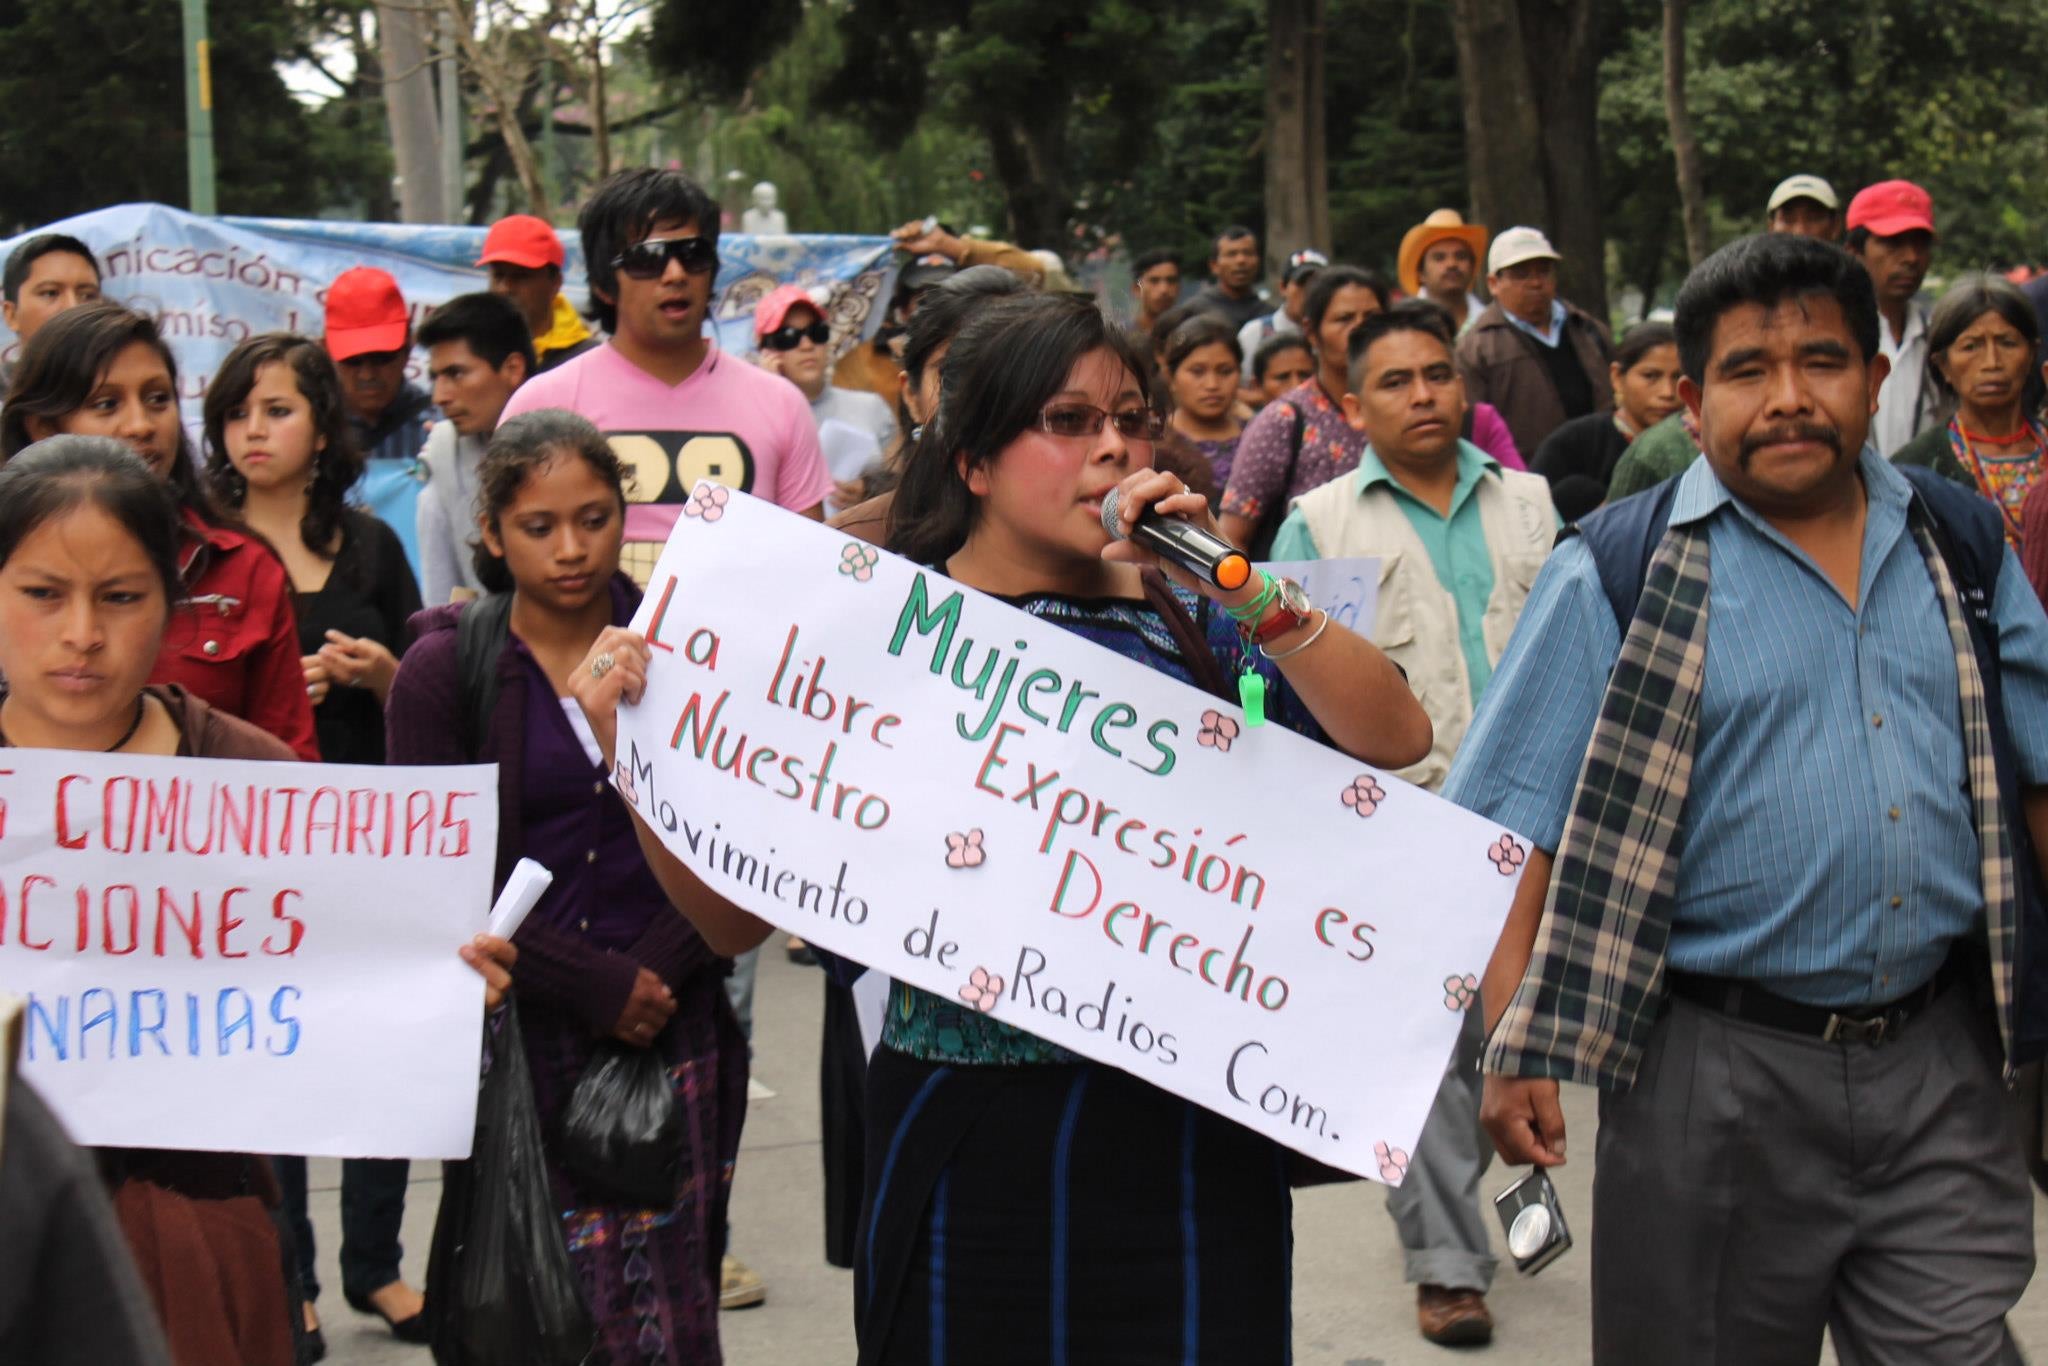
column 1456, row 545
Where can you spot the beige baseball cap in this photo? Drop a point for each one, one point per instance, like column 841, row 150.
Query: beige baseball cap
column 1804, row 187
column 1517, row 245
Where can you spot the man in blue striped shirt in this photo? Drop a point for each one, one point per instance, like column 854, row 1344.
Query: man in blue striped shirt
column 1781, row 868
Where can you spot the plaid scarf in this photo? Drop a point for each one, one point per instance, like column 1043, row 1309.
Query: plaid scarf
column 1589, row 998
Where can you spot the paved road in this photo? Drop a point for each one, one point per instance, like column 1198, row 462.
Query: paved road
column 1350, row 1307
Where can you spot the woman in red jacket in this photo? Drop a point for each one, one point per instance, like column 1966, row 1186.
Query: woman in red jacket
column 104, row 370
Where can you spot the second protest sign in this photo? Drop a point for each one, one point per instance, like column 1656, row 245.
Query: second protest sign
column 248, row 957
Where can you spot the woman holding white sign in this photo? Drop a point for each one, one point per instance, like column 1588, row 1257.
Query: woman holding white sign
column 280, row 454
column 606, row 964
column 1018, row 1194
column 90, row 541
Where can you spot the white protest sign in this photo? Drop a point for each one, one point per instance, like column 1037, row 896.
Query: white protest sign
column 971, row 800
column 1348, row 589
column 248, row 957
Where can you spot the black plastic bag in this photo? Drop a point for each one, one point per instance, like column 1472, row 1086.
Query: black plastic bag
column 623, row 1132
column 501, row 1290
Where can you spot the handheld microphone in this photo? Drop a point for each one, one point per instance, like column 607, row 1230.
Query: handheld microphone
column 1202, row 553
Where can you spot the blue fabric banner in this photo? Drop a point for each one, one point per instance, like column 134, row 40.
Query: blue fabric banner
column 213, row 282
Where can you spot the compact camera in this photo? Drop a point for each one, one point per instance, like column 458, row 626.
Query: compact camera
column 1533, row 1221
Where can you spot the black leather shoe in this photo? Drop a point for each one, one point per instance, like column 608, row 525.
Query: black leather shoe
column 413, row 1330
column 315, row 1346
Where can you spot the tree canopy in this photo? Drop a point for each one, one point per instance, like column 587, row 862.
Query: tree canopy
column 97, row 94
column 1025, row 75
column 1891, row 89
column 1163, row 146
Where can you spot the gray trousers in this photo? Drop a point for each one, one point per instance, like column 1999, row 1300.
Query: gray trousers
column 1755, row 1187
column 739, row 989
column 1437, row 1208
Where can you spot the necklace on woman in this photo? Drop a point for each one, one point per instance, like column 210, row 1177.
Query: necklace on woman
column 2004, row 478
column 141, row 710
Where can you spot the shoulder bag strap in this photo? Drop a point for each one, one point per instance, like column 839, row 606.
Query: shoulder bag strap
column 1194, row 646
column 1268, row 529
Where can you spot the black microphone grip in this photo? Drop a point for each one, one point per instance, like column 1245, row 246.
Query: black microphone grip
column 1202, row 553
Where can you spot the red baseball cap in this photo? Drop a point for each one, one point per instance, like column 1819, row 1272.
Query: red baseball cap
column 775, row 305
column 522, row 240
column 365, row 314
column 1891, row 207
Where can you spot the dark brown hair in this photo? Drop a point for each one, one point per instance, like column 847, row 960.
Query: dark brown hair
column 50, row 477
column 1969, row 298
column 1770, row 268
column 1645, row 337
column 624, row 208
column 336, row 466
column 1323, row 293
column 518, row 448
column 942, row 311
column 1204, row 329
column 1276, row 346
column 1006, row 364
column 35, row 249
column 62, row 365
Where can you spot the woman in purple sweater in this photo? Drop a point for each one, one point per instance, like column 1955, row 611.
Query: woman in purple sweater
column 604, row 956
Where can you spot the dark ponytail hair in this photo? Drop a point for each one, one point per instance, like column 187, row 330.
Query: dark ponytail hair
column 1204, row 329
column 1323, row 293
column 49, row 478
column 1641, row 340
column 942, row 311
column 518, row 448
column 336, row 466
column 62, row 365
column 1006, row 364
column 1276, row 346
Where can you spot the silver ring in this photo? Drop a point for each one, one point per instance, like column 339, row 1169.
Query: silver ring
column 603, row 664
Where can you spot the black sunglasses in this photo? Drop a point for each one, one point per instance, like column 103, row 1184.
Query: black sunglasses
column 649, row 260
column 789, row 336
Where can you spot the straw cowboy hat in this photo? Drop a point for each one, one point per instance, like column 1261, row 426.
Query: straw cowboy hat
column 1442, row 226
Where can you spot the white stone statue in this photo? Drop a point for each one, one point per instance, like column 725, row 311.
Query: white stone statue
column 763, row 218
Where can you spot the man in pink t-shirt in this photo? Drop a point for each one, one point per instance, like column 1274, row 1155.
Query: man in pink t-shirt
column 675, row 407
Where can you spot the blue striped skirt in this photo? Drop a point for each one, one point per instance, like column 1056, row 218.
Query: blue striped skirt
column 1065, row 1215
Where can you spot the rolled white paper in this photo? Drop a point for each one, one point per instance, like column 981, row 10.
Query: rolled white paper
column 522, row 893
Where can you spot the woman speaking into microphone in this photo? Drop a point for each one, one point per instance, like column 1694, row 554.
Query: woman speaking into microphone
column 1018, row 1193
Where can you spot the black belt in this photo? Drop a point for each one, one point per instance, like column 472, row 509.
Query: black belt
column 1851, row 1024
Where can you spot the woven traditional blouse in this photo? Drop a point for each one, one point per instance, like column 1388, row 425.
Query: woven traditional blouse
column 940, row 1030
